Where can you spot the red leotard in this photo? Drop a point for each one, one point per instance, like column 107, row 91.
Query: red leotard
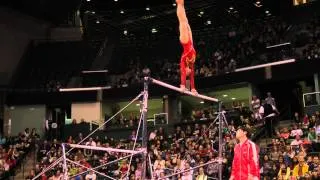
column 189, row 54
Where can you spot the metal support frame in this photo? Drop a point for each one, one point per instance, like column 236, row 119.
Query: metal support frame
column 144, row 111
column 65, row 168
column 144, row 126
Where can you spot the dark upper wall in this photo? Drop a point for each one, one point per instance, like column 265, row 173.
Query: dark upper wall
column 16, row 31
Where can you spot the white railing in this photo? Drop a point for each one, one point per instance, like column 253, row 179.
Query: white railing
column 162, row 117
column 311, row 99
column 94, row 123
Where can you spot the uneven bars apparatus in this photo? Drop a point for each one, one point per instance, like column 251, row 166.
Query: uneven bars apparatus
column 145, row 104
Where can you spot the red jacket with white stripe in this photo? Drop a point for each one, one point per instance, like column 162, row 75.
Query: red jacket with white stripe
column 246, row 161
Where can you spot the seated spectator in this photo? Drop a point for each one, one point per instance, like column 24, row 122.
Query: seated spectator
column 2, row 140
column 288, row 156
column 202, row 175
column 91, row 142
column 31, row 175
column 56, row 176
column 152, row 135
column 158, row 170
column 296, row 118
column 123, row 169
column 297, row 141
column 284, row 172
column 296, row 131
column 91, row 176
column 160, row 162
column 305, row 122
column 132, row 137
column 162, row 175
column 188, row 175
column 317, row 129
column 312, row 135
column 301, row 169
column 284, row 133
column 275, row 153
column 26, row 132
column 266, row 167
column 138, row 172
column 314, row 164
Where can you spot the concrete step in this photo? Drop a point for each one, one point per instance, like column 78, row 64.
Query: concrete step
column 285, row 123
column 27, row 166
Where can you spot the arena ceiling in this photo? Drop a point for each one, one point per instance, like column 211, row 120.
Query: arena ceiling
column 143, row 16
column 54, row 11
column 136, row 18
column 149, row 17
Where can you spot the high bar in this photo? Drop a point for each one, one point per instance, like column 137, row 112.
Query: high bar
column 94, row 71
column 278, row 45
column 160, row 83
column 266, row 65
column 83, row 89
column 103, row 149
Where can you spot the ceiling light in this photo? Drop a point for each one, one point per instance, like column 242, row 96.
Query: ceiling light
column 93, row 12
column 257, row 4
column 225, row 95
column 233, row 98
column 208, row 22
column 231, row 8
column 154, row 30
column 122, row 12
column 267, row 12
column 201, row 102
column 115, row 0
column 12, row 107
column 97, row 21
column 147, row 8
column 174, row 4
column 201, row 12
column 88, row 0
column 125, row 32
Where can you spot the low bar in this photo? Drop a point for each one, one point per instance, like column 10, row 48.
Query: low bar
column 160, row 83
column 266, row 65
column 84, row 89
column 103, row 149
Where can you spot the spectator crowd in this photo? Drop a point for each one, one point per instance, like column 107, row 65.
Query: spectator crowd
column 241, row 46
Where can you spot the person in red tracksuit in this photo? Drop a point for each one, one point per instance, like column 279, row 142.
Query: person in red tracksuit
column 189, row 53
column 245, row 165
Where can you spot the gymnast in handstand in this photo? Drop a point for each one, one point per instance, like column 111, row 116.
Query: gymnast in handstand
column 189, row 53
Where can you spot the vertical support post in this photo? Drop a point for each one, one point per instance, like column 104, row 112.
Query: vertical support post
column 316, row 87
column 65, row 169
column 144, row 126
column 220, row 139
column 150, row 166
